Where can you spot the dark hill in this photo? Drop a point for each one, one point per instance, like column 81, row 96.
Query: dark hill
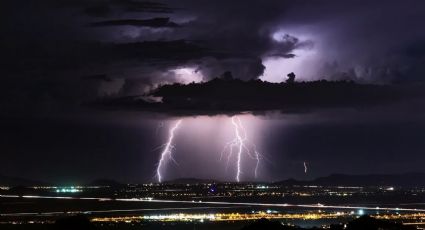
column 404, row 180
column 105, row 182
column 190, row 181
column 17, row 181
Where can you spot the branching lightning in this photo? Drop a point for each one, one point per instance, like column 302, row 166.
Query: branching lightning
column 239, row 146
column 235, row 149
column 167, row 153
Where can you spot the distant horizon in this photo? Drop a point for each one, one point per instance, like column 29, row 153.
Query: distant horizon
column 200, row 180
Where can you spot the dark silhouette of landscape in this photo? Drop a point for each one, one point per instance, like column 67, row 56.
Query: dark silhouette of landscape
column 403, row 180
column 362, row 223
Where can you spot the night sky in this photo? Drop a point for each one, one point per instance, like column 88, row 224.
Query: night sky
column 58, row 56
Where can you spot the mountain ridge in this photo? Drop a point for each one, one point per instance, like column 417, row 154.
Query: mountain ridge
column 411, row 179
column 339, row 179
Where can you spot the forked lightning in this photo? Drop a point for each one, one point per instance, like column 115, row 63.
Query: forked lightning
column 240, row 146
column 167, row 153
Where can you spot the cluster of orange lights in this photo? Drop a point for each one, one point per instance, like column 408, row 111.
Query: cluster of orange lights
column 219, row 217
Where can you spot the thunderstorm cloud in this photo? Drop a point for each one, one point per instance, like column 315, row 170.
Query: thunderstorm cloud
column 130, row 47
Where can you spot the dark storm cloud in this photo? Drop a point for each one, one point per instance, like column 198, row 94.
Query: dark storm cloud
column 47, row 75
column 47, row 48
column 101, row 77
column 105, row 8
column 234, row 96
column 154, row 22
column 364, row 40
column 242, row 30
column 142, row 6
column 287, row 44
column 139, row 42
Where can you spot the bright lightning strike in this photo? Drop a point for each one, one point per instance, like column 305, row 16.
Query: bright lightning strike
column 239, row 146
column 167, row 153
column 305, row 167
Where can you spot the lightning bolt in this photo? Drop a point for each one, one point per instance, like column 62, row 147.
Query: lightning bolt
column 168, row 150
column 305, row 167
column 242, row 146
